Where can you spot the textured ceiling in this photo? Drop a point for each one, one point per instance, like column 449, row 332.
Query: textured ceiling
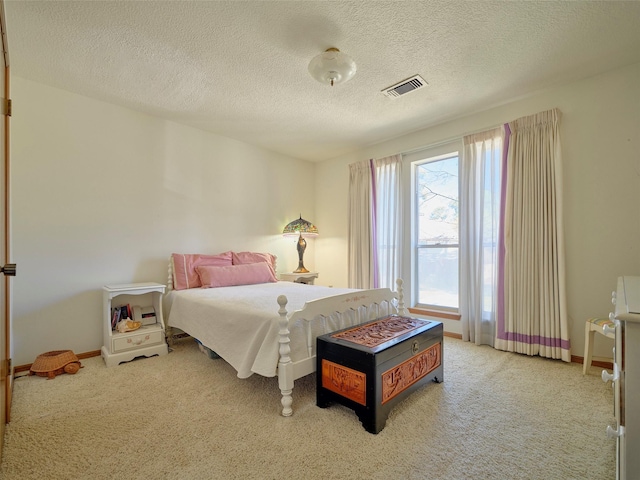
column 239, row 68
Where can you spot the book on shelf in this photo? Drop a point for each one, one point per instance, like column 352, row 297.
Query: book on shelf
column 121, row 312
column 115, row 317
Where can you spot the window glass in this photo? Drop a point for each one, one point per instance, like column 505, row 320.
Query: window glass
column 437, row 232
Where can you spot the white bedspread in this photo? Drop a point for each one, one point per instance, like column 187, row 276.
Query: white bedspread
column 241, row 323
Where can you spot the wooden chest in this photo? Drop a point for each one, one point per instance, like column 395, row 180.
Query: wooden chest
column 372, row 367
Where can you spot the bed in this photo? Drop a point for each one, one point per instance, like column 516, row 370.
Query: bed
column 268, row 328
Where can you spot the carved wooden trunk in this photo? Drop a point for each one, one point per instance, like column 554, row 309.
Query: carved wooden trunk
column 370, row 368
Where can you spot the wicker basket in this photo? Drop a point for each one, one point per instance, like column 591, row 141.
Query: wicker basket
column 54, row 363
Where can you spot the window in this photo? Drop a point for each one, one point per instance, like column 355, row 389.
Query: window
column 437, row 245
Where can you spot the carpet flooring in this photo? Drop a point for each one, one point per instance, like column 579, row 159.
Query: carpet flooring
column 184, row 416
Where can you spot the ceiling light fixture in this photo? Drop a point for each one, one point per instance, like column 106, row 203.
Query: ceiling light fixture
column 332, row 66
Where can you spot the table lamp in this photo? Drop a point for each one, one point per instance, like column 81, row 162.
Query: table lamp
column 300, row 228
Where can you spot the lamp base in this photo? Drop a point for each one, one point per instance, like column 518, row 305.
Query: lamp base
column 302, row 245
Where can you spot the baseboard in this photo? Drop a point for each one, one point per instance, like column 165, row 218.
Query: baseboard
column 574, row 358
column 594, row 363
column 96, row 353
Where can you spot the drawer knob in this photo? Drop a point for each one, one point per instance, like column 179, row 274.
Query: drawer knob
column 606, row 376
column 615, row 433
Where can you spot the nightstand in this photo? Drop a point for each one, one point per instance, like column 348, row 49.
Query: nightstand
column 307, row 278
column 149, row 339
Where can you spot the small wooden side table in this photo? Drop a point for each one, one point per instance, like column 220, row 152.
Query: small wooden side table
column 306, row 278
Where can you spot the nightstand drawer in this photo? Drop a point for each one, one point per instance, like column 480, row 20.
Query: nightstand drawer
column 137, row 340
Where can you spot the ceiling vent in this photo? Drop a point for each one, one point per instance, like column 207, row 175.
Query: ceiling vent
column 405, row 86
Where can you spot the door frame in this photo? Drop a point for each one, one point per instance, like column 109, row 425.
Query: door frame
column 6, row 369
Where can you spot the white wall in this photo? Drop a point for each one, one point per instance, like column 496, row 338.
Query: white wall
column 600, row 131
column 101, row 194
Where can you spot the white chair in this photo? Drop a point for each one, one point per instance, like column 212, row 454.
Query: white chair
column 592, row 326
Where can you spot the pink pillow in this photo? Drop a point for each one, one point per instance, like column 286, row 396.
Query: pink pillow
column 184, row 267
column 248, row 274
column 241, row 258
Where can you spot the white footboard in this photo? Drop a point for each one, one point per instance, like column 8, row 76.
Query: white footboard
column 349, row 309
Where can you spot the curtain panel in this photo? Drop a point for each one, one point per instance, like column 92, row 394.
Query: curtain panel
column 533, row 314
column 387, row 207
column 375, row 216
column 360, row 233
column 480, row 181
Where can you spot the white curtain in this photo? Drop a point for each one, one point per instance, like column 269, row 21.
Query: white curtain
column 375, row 216
column 534, row 321
column 479, row 231
column 387, row 198
column 360, row 234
